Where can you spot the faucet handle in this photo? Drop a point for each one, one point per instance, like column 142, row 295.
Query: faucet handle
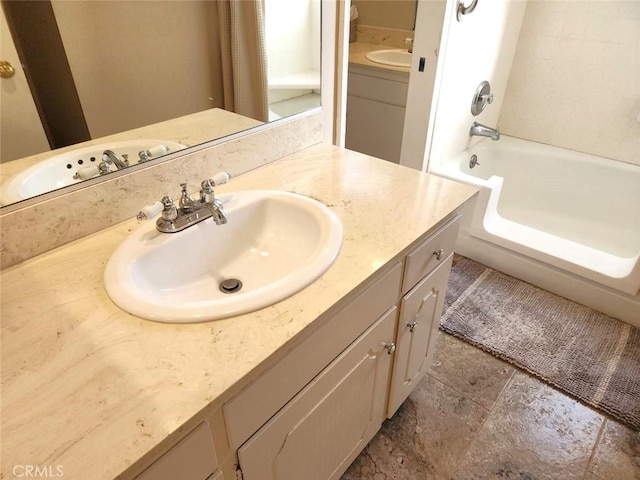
column 152, row 152
column 104, row 167
column 220, row 178
column 207, row 185
column 150, row 211
column 409, row 43
column 207, row 195
column 169, row 210
column 487, row 99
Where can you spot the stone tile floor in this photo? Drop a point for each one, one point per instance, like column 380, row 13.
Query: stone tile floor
column 475, row 416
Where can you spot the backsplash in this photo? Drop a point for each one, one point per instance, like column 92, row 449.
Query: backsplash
column 35, row 229
column 383, row 36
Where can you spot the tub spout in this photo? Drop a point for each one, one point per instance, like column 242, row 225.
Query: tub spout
column 483, row 131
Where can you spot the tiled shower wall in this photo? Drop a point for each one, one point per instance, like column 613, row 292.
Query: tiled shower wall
column 575, row 79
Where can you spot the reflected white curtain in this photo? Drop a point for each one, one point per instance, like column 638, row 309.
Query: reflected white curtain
column 244, row 58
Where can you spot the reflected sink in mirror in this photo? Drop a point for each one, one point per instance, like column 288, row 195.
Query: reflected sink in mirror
column 107, row 100
column 61, row 170
column 393, row 57
column 273, row 245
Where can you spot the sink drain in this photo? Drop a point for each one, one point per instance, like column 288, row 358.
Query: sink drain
column 230, row 285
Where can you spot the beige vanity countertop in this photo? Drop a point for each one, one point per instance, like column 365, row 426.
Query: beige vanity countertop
column 189, row 130
column 87, row 387
column 358, row 50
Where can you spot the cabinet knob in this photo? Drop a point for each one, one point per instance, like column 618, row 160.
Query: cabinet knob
column 412, row 326
column 438, row 254
column 390, row 347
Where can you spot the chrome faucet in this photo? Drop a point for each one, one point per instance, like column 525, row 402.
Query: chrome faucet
column 483, row 131
column 109, row 157
column 190, row 210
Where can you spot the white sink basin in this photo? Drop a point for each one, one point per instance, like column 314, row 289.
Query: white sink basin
column 276, row 243
column 58, row 171
column 393, row 57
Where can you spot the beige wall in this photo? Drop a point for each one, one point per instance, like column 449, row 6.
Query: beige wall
column 140, row 62
column 575, row 81
column 398, row 14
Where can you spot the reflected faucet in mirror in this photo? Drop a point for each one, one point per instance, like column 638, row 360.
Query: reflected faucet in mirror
column 191, row 106
column 109, row 157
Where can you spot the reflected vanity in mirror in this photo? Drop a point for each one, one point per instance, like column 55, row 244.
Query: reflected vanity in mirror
column 143, row 79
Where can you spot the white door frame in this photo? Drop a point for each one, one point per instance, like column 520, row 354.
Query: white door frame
column 335, row 64
column 423, row 85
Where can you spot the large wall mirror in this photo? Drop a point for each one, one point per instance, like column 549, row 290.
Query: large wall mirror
column 143, row 79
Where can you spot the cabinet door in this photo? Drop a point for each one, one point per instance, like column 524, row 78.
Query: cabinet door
column 255, row 405
column 374, row 128
column 322, row 429
column 418, row 324
column 193, row 458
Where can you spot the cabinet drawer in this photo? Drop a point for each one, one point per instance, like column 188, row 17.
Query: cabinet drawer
column 251, row 408
column 323, row 428
column 429, row 254
column 193, row 458
column 378, row 89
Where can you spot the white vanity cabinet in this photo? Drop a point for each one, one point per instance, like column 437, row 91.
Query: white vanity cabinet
column 310, row 414
column 339, row 377
column 323, row 428
column 420, row 309
column 248, row 411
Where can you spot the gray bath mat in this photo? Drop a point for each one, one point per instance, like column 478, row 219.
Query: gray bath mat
column 589, row 355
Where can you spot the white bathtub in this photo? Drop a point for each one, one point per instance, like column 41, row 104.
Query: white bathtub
column 577, row 213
